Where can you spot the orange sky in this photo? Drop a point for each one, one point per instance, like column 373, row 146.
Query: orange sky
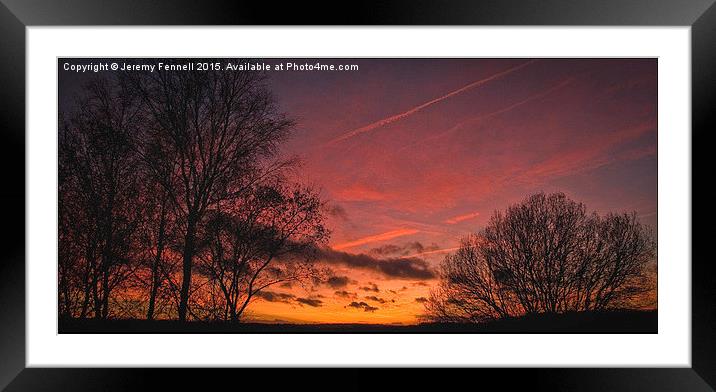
column 413, row 154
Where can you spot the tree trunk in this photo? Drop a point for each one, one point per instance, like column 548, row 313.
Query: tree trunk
column 95, row 295
column 156, row 281
column 105, row 294
column 186, row 267
column 234, row 315
column 87, row 279
column 64, row 303
column 105, row 265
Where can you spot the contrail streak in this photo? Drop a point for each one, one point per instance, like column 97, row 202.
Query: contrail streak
column 495, row 113
column 418, row 108
column 374, row 238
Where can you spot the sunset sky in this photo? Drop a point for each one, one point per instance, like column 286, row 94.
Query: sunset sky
column 413, row 154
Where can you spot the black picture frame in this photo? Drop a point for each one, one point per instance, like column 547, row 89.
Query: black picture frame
column 16, row 15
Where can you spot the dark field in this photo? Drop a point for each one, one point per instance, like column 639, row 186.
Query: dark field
column 607, row 322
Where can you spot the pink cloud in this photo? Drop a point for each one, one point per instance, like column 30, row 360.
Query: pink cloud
column 375, row 238
column 460, row 218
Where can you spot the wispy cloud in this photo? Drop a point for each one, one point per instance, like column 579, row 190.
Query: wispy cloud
column 492, row 114
column 432, row 252
column 312, row 302
column 396, row 117
column 460, row 218
column 375, row 238
column 589, row 157
column 403, row 249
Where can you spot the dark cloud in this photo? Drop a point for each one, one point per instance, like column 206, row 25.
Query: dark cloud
column 375, row 299
column 401, row 289
column 337, row 211
column 419, row 284
column 403, row 249
column 430, row 248
column 272, row 296
column 345, row 294
column 310, row 302
column 362, row 305
column 405, row 268
column 370, row 287
column 421, row 300
column 338, row 282
column 388, row 249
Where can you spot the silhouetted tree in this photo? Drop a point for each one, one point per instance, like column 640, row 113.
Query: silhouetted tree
column 73, row 238
column 98, row 192
column 263, row 240
column 211, row 134
column 544, row 255
column 157, row 238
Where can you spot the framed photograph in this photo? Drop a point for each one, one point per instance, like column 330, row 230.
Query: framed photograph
column 487, row 186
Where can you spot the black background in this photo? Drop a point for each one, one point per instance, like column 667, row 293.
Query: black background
column 16, row 14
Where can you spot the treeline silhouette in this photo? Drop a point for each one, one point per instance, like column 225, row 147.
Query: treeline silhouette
column 546, row 255
column 622, row 321
column 173, row 200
